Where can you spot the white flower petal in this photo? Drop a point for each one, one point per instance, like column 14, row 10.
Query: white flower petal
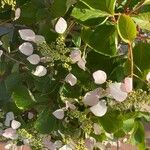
column 27, row 34
column 71, row 79
column 39, row 39
column 58, row 144
column 17, row 13
column 99, row 77
column 81, row 63
column 148, row 77
column 30, row 115
column 75, row 55
column 116, row 92
column 10, row 116
column 34, row 59
column 66, row 147
column 40, row 71
column 90, row 143
column 97, row 129
column 1, row 53
column 59, row 113
column 99, row 109
column 10, row 133
column 1, row 43
column 15, row 124
column 26, row 48
column 61, row 25
column 90, row 98
column 7, row 122
column 128, row 82
column 69, row 105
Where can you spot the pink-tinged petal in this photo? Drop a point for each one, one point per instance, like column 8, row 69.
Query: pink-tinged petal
column 61, row 25
column 1, row 53
column 81, row 63
column 17, row 13
column 1, row 43
column 97, row 129
column 70, row 105
column 27, row 34
column 9, row 117
column 59, row 114
column 71, row 79
column 58, row 144
column 34, row 59
column 91, row 98
column 39, row 39
column 26, row 48
column 116, row 92
column 15, row 124
column 75, row 55
column 90, row 143
column 66, row 147
column 30, row 115
column 10, row 133
column 99, row 77
column 99, row 109
column 40, row 71
column 128, row 84
column 148, row 77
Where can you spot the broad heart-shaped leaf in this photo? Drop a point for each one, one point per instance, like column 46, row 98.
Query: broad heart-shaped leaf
column 46, row 122
column 126, row 28
column 82, row 12
column 141, row 54
column 23, row 98
column 70, row 91
column 102, row 39
column 112, row 121
column 138, row 136
column 4, row 95
column 103, row 5
column 60, row 7
column 143, row 20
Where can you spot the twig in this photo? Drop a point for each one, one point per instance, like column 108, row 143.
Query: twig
column 130, row 56
column 19, row 62
column 137, row 7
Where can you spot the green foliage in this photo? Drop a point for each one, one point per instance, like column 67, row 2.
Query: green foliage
column 23, row 98
column 46, row 123
column 105, row 44
column 142, row 20
column 126, row 28
column 107, row 35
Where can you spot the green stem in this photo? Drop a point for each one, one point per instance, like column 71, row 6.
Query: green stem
column 130, row 56
column 137, row 7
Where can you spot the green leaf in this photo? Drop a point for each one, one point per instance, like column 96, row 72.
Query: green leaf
column 147, row 2
column 60, row 7
column 138, row 136
column 103, row 5
column 128, row 125
column 23, row 98
column 111, row 122
column 141, row 54
column 4, row 95
column 12, row 81
column 70, row 91
column 76, row 39
column 143, row 20
column 45, row 122
column 102, row 39
column 84, row 14
column 126, row 28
